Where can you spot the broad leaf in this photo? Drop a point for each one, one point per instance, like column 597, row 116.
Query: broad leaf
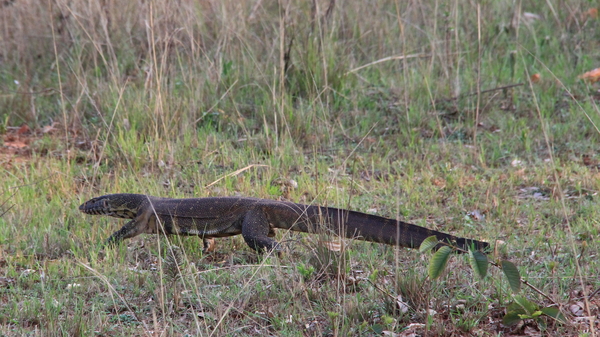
column 512, row 275
column 377, row 328
column 479, row 262
column 428, row 244
column 438, row 262
column 554, row 313
column 512, row 317
column 526, row 304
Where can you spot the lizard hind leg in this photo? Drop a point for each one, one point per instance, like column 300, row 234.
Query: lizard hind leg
column 256, row 231
column 209, row 245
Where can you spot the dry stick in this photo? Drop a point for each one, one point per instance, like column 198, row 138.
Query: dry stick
column 478, row 104
column 383, row 291
column 8, row 209
column 235, row 173
column 560, row 190
column 481, row 92
column 15, row 192
column 109, row 131
column 61, row 93
column 16, row 92
column 239, row 266
column 255, row 8
column 405, row 78
column 114, row 291
column 527, row 284
column 594, row 293
column 109, row 126
column 281, row 102
column 437, row 117
column 538, row 291
column 170, row 248
column 385, row 59
column 217, row 102
column 243, row 288
column 4, row 203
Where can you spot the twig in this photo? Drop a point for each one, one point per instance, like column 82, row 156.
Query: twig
column 235, row 173
column 531, row 286
column 594, row 293
column 115, row 292
column 217, row 102
column 481, row 92
column 385, row 292
column 238, row 266
column 538, row 291
column 385, row 59
column 16, row 92
column 4, row 203
column 8, row 209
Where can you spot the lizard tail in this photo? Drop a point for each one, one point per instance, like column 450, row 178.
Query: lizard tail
column 374, row 228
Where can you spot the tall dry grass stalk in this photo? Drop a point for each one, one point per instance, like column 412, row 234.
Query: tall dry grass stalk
column 189, row 58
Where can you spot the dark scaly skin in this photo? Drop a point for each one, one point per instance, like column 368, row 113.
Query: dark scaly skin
column 256, row 220
column 126, row 206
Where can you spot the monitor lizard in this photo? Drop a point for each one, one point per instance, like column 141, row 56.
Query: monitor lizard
column 256, row 220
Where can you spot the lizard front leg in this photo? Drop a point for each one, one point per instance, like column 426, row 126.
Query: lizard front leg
column 129, row 230
column 144, row 222
column 256, row 231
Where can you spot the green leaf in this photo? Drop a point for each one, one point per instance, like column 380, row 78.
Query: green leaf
column 512, row 275
column 554, row 313
column 511, row 318
column 512, row 306
column 438, row 262
column 377, row 328
column 536, row 314
column 373, row 276
column 541, row 324
column 529, row 307
column 479, row 263
column 387, row 320
column 428, row 244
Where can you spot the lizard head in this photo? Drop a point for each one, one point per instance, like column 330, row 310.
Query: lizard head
column 118, row 205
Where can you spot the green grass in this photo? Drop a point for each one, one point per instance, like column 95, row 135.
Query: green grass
column 173, row 100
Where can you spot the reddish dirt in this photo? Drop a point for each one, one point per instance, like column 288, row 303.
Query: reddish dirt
column 16, row 145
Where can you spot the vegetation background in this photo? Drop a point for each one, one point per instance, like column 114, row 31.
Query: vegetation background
column 468, row 117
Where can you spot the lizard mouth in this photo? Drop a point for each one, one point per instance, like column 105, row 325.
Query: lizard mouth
column 95, row 206
column 94, row 211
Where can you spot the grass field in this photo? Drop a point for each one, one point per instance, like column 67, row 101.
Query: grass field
column 465, row 117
